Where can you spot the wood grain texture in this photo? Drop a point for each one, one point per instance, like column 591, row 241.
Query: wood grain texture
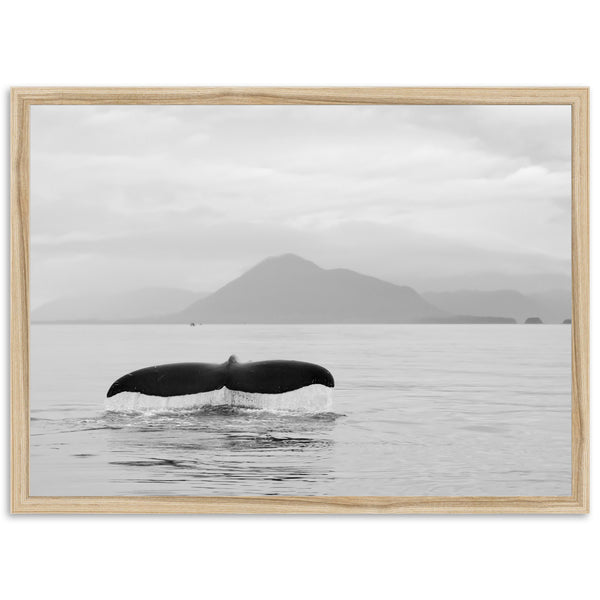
column 21, row 502
column 580, row 328
column 300, row 95
column 19, row 299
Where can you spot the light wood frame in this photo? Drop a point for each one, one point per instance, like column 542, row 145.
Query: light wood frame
column 21, row 500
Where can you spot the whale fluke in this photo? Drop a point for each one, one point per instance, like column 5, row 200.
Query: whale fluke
column 231, row 382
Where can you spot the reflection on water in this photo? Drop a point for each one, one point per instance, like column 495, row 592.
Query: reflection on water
column 419, row 410
column 212, row 450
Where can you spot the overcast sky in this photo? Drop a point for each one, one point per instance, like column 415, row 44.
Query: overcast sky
column 437, row 197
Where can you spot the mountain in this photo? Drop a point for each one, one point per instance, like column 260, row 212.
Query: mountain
column 290, row 289
column 552, row 306
column 142, row 303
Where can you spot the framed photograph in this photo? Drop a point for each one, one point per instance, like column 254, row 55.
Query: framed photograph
column 299, row 300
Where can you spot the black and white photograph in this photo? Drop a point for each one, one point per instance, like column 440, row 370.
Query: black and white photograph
column 300, row 300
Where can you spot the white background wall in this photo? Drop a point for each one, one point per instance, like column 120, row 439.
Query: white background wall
column 259, row 42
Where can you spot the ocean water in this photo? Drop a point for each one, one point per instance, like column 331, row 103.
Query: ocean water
column 417, row 410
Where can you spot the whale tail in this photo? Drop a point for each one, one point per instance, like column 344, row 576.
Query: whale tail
column 280, row 384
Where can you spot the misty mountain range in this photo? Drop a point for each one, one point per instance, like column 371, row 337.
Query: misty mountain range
column 145, row 302
column 290, row 289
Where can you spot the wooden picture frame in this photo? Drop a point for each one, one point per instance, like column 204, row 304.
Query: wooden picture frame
column 22, row 99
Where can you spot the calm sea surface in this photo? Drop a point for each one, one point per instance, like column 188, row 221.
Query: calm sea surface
column 418, row 410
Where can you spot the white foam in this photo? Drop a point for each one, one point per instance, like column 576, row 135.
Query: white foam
column 134, row 401
column 312, row 398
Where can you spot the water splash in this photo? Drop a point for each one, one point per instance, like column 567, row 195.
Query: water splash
column 310, row 399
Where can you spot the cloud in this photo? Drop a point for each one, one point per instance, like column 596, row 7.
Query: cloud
column 190, row 196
